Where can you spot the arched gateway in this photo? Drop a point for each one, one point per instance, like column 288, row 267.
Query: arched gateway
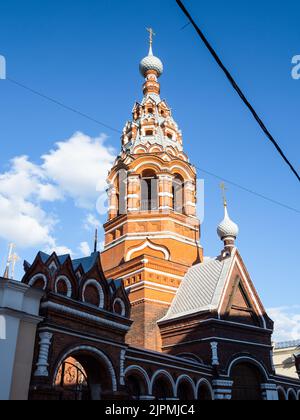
column 85, row 373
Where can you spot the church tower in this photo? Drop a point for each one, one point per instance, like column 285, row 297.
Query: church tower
column 152, row 236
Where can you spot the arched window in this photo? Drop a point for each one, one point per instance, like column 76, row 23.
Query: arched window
column 121, row 192
column 149, row 191
column 178, row 194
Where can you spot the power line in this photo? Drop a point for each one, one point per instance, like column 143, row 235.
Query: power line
column 271, row 200
column 237, row 89
column 55, row 101
column 68, row 108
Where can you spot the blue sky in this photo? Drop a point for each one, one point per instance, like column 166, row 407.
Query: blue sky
column 85, row 54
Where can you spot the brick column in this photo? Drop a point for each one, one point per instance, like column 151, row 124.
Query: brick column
column 190, row 198
column 165, row 194
column 133, row 193
column 113, row 203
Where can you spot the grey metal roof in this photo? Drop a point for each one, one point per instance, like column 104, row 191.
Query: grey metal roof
column 287, row 344
column 201, row 289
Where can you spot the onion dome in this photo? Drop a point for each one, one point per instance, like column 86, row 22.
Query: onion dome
column 227, row 228
column 151, row 63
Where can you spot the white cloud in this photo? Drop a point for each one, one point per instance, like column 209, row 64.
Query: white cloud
column 91, row 222
column 287, row 323
column 79, row 167
column 60, row 250
column 85, row 249
column 76, row 168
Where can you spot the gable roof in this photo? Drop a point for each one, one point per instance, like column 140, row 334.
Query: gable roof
column 201, row 288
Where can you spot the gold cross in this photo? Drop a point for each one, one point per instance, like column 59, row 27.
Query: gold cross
column 224, row 189
column 152, row 34
column 14, row 259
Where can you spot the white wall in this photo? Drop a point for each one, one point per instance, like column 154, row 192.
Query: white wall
column 19, row 309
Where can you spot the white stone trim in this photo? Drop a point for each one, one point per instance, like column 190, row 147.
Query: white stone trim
column 68, row 284
column 132, row 196
column 151, row 219
column 234, row 323
column 253, row 361
column 38, row 277
column 269, row 392
column 280, row 388
column 98, row 353
column 122, row 367
column 165, row 374
column 214, row 353
column 120, row 301
column 153, row 235
column 42, row 364
column 165, row 194
column 189, row 178
column 84, row 315
column 230, row 340
column 236, row 261
column 139, row 369
column 205, row 382
column 148, row 244
column 142, row 284
column 151, row 270
column 187, row 378
column 95, row 283
column 291, row 391
column 151, row 300
column 165, row 208
column 85, row 337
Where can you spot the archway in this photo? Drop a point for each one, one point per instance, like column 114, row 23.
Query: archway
column 204, row 392
column 84, row 374
column 137, row 383
column 247, row 380
column 281, row 394
column 162, row 387
column 149, row 191
column 185, row 390
column 178, row 194
column 292, row 395
column 71, row 382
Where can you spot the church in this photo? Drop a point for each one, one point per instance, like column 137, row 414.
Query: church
column 151, row 317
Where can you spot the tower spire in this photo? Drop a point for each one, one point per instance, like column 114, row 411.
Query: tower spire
column 10, row 259
column 96, row 241
column 151, row 35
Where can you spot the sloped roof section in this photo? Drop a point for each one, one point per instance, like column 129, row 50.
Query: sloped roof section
column 201, row 289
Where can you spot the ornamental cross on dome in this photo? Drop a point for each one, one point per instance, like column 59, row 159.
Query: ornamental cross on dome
column 151, row 35
column 224, row 189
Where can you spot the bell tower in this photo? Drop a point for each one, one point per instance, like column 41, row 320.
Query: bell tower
column 152, row 236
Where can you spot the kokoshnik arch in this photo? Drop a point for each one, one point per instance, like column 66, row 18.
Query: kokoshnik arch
column 151, row 317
